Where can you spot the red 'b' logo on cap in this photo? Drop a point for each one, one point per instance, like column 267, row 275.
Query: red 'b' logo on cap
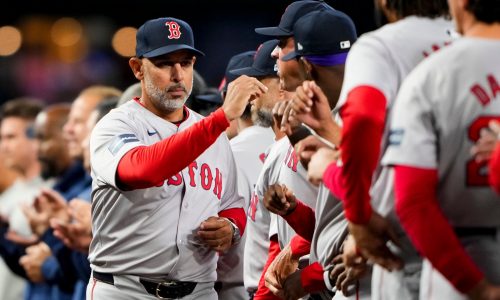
column 174, row 29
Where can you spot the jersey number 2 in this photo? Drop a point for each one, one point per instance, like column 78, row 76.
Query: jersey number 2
column 476, row 172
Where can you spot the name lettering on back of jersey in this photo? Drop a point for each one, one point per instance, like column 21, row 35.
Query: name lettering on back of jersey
column 484, row 94
column 435, row 48
column 396, row 136
column 205, row 176
column 291, row 159
column 117, row 142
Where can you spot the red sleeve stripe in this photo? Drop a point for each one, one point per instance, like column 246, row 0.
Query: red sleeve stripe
column 237, row 216
column 148, row 166
column 363, row 116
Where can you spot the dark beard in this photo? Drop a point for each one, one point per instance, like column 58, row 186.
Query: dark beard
column 264, row 119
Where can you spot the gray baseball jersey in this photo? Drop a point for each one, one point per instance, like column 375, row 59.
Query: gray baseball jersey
column 437, row 119
column 259, row 227
column 152, row 232
column 441, row 109
column 249, row 148
column 382, row 59
column 381, row 52
column 294, row 176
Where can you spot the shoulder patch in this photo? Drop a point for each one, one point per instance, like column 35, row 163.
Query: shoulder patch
column 117, row 142
column 396, row 136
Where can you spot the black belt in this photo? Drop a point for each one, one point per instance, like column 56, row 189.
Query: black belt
column 168, row 289
column 318, row 296
column 475, row 231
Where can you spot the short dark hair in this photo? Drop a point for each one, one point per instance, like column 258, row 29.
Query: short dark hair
column 487, row 11
column 421, row 8
column 24, row 108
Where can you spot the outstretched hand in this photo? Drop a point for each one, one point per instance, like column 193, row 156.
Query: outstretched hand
column 487, row 142
column 311, row 107
column 371, row 243
column 319, row 163
column 279, row 200
column 239, row 93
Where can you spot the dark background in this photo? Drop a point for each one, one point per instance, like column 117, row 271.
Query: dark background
column 221, row 30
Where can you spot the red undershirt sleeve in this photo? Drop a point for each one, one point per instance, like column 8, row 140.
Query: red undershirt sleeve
column 302, row 220
column 148, row 166
column 363, row 116
column 332, row 179
column 418, row 209
column 263, row 293
column 312, row 278
column 299, row 246
column 237, row 216
column 494, row 169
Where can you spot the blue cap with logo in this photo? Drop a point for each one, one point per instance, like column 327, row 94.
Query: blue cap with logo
column 164, row 35
column 292, row 13
column 263, row 64
column 323, row 37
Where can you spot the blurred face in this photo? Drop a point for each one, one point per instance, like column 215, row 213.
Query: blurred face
column 168, row 80
column 75, row 130
column 262, row 107
column 53, row 152
column 18, row 149
column 86, row 141
column 288, row 71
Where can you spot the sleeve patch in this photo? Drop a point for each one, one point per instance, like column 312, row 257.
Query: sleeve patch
column 117, row 142
column 396, row 136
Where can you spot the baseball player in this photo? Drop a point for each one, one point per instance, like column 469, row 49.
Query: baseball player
column 441, row 108
column 165, row 195
column 365, row 103
column 257, row 238
column 292, row 172
column 249, row 148
column 321, row 56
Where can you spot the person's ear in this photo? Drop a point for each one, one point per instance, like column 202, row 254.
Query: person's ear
column 135, row 64
column 307, row 67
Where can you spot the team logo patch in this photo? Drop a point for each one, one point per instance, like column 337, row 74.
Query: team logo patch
column 175, row 30
column 396, row 136
column 345, row 44
column 117, row 143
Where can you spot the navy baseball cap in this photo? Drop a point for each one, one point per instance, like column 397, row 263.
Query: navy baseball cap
column 263, row 64
column 241, row 60
column 325, row 36
column 164, row 35
column 292, row 13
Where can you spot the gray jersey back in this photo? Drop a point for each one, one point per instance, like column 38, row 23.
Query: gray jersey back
column 438, row 116
column 152, row 232
column 381, row 50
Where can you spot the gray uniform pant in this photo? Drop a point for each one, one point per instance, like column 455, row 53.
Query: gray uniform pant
column 401, row 284
column 128, row 287
column 484, row 251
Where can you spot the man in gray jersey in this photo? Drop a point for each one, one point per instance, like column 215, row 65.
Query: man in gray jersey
column 165, row 196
